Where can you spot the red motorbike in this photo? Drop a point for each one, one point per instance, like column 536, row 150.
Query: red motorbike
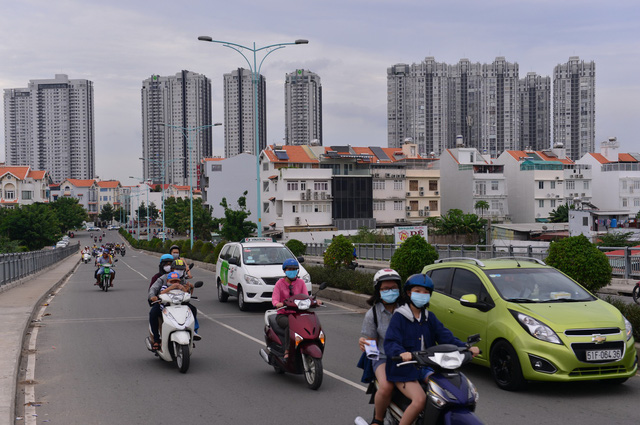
column 306, row 340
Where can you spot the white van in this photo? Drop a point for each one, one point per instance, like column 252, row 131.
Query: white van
column 250, row 269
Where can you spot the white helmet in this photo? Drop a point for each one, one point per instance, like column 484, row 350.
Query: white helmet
column 384, row 275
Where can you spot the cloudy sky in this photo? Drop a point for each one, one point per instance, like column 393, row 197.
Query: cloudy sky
column 117, row 44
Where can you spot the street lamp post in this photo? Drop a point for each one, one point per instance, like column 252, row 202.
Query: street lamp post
column 187, row 132
column 255, row 70
column 147, row 218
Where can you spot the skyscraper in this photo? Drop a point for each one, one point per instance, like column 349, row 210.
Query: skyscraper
column 574, row 102
column 302, row 108
column 49, row 126
column 240, row 113
column 181, row 100
column 535, row 112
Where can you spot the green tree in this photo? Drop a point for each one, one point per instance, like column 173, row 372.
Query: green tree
column 561, row 214
column 107, row 212
column 153, row 211
column 8, row 246
column 176, row 214
column 296, row 247
column 412, row 255
column 121, row 214
column 582, row 261
column 339, row 253
column 366, row 235
column 482, row 206
column 141, row 212
column 69, row 213
column 203, row 222
column 235, row 225
column 456, row 222
column 35, row 226
column 616, row 239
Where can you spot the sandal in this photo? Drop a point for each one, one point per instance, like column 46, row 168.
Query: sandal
column 286, row 354
column 155, row 346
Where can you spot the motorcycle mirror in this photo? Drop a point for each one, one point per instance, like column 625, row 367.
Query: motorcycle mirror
column 322, row 286
column 300, row 260
column 116, row 260
column 473, row 339
column 198, row 284
column 191, row 266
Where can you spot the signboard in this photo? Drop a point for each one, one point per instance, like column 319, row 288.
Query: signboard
column 402, row 233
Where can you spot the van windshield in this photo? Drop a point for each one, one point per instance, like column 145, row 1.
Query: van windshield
column 265, row 255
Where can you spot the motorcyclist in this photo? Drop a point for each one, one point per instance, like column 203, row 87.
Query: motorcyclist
column 284, row 288
column 413, row 328
column 386, row 293
column 101, row 261
column 163, row 268
column 175, row 252
column 178, row 267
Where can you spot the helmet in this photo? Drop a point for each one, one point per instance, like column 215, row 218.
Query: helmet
column 174, row 247
column 418, row 280
column 178, row 265
column 290, row 263
column 106, row 251
column 166, row 257
column 385, row 275
column 173, row 275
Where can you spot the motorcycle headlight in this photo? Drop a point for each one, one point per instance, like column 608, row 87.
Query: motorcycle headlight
column 537, row 329
column 628, row 328
column 473, row 392
column 298, row 339
column 438, row 395
column 252, row 280
column 321, row 337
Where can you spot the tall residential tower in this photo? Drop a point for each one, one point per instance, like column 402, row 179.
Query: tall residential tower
column 535, row 112
column 302, row 108
column 49, row 126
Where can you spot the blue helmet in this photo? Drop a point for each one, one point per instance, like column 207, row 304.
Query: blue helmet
column 290, row 263
column 418, row 280
column 166, row 257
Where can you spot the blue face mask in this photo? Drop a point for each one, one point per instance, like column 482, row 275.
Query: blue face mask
column 291, row 274
column 390, row 296
column 420, row 300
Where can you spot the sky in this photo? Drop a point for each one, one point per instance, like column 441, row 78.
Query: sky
column 117, row 44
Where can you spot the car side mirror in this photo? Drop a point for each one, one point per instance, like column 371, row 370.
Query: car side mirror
column 300, row 260
column 198, row 284
column 471, row 300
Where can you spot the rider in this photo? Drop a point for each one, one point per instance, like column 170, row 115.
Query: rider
column 413, row 328
column 386, row 292
column 284, row 288
column 178, row 267
column 163, row 268
column 101, row 261
column 175, row 251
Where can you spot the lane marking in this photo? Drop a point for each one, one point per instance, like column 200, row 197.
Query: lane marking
column 127, row 264
column 256, row 340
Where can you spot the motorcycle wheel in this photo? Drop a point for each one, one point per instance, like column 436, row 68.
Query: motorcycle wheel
column 222, row 296
column 105, row 285
column 636, row 294
column 182, row 357
column 505, row 367
column 242, row 305
column 312, row 371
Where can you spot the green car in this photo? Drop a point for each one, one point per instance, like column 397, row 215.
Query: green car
column 536, row 323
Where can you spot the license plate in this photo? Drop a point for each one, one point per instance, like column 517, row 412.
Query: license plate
column 600, row 355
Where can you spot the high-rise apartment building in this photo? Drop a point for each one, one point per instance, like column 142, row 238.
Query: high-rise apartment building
column 49, row 126
column 574, row 113
column 465, row 104
column 240, row 113
column 535, row 112
column 170, row 105
column 302, row 108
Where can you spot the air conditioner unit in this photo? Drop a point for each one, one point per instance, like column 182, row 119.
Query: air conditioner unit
column 557, row 178
column 426, row 208
column 302, row 196
column 328, row 196
column 323, row 195
column 421, row 193
column 408, row 193
column 422, row 189
column 408, row 208
column 421, row 213
column 408, row 213
column 399, row 220
column 316, row 196
column 427, row 213
column 557, row 196
column 548, row 195
column 579, row 176
column 583, row 194
column 436, row 193
column 308, row 197
column 387, row 175
column 297, row 221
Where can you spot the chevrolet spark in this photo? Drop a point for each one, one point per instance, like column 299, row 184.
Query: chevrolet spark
column 536, row 323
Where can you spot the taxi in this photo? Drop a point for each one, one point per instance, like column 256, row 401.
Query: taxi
column 250, row 269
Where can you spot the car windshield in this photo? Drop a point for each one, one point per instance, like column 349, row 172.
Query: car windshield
column 536, row 286
column 265, row 255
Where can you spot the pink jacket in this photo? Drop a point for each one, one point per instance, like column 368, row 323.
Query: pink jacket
column 281, row 291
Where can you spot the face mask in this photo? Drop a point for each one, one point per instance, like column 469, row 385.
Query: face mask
column 176, row 256
column 291, row 274
column 180, row 272
column 167, row 269
column 390, row 295
column 420, row 300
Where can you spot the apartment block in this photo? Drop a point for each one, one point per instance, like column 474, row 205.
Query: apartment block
column 303, row 108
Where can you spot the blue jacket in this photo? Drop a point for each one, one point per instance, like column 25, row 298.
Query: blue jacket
column 406, row 333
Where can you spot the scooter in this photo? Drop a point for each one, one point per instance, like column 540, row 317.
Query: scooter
column 122, row 251
column 306, row 340
column 105, row 278
column 451, row 397
column 177, row 328
column 86, row 257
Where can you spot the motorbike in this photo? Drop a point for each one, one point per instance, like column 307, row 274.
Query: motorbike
column 177, row 328
column 636, row 293
column 86, row 257
column 306, row 340
column 451, row 397
column 105, row 278
column 122, row 251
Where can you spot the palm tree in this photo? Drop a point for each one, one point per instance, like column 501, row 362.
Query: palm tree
column 481, row 205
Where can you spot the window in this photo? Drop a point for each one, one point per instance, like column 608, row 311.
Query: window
column 265, row 207
column 541, row 203
column 378, row 185
column 495, row 184
column 378, row 205
column 433, row 185
column 481, row 188
column 413, row 205
column 465, row 282
column 552, row 203
column 585, row 221
column 636, row 184
column 27, row 195
column 624, row 184
column 571, row 185
column 398, row 206
column 541, row 184
column 624, row 202
column 398, row 185
column 303, row 185
column 441, row 279
column 433, row 205
column 292, row 186
column 265, row 186
column 9, row 194
column 320, row 186
column 636, row 202
column 413, row 185
column 552, row 184
column 585, row 184
column 294, row 208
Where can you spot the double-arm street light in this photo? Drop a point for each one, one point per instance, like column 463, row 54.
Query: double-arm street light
column 187, row 132
column 255, row 71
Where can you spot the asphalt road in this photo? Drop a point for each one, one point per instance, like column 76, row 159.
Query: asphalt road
column 92, row 367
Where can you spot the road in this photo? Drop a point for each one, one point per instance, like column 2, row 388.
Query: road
column 92, row 367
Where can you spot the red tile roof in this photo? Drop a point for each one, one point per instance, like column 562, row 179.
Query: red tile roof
column 19, row 172
column 296, row 154
column 81, row 183
column 37, row 175
column 518, row 155
column 213, row 159
column 109, row 184
column 625, row 157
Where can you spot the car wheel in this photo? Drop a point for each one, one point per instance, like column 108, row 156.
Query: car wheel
column 222, row 296
column 242, row 305
column 505, row 367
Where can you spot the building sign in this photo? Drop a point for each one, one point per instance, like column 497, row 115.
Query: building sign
column 402, row 233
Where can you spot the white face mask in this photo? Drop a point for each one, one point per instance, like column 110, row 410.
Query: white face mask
column 180, row 272
column 167, row 268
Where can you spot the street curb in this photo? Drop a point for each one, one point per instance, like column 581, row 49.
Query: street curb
column 333, row 294
column 26, row 325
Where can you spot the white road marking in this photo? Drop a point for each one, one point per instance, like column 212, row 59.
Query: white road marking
column 256, row 340
column 127, row 264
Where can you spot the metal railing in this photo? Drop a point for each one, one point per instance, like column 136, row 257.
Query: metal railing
column 21, row 264
column 624, row 261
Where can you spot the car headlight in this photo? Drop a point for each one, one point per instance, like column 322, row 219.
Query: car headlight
column 537, row 329
column 252, row 280
column 628, row 328
column 306, row 278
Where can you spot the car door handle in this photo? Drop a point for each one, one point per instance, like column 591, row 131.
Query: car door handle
column 451, row 310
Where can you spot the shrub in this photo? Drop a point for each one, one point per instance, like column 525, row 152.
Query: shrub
column 412, row 256
column 207, row 248
column 582, row 261
column 297, row 247
column 210, row 258
column 339, row 253
column 346, row 279
column 195, row 251
column 216, row 251
column 630, row 311
column 167, row 244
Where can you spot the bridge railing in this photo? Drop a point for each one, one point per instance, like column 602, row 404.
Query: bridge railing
column 18, row 265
